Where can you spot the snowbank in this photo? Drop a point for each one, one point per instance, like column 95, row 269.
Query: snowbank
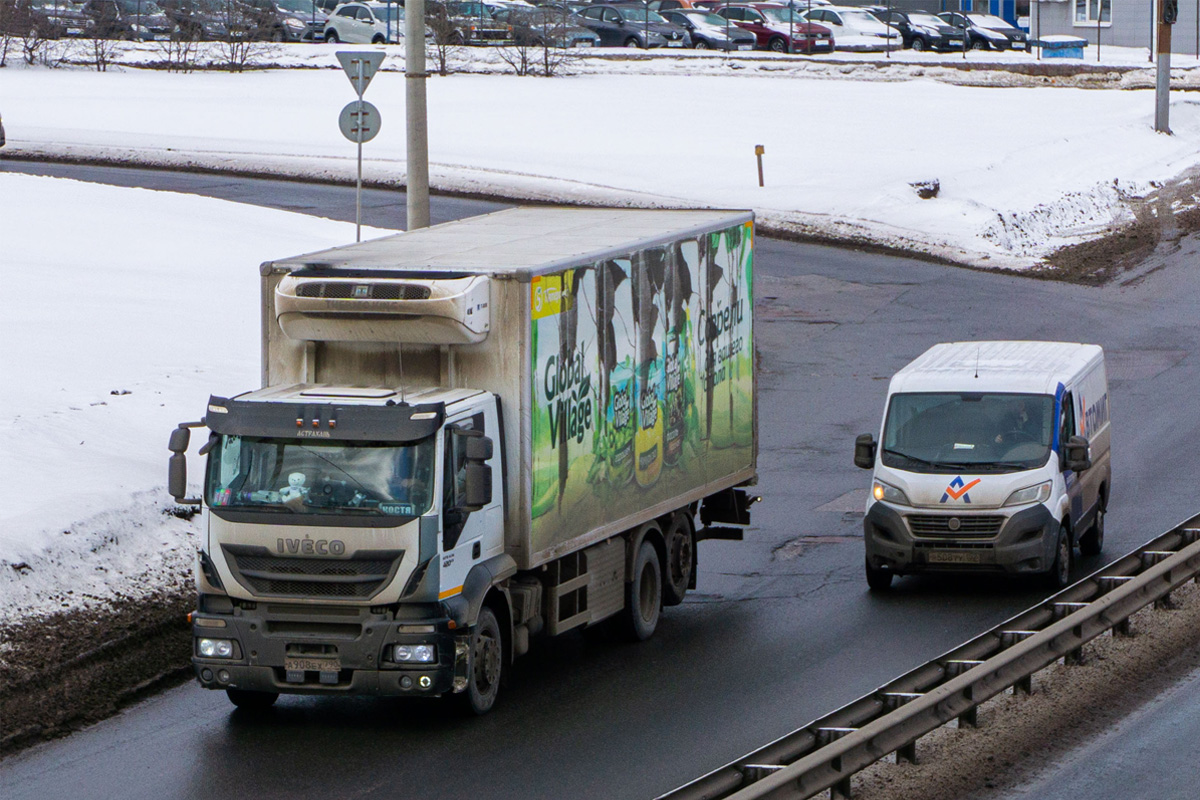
column 1022, row 170
column 124, row 309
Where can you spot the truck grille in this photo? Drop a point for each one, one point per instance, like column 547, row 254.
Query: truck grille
column 267, row 575
column 967, row 526
column 345, row 290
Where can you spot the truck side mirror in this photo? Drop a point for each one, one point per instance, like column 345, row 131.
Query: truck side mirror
column 477, row 477
column 180, row 439
column 1078, row 452
column 177, row 464
column 864, row 451
column 479, row 448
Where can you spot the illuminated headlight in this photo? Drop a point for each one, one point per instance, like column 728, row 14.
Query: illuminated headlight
column 889, row 494
column 414, row 653
column 216, row 648
column 1030, row 494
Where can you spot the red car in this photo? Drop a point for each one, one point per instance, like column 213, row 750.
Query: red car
column 778, row 28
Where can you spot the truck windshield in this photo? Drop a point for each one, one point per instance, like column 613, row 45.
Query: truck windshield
column 960, row 431
column 293, row 476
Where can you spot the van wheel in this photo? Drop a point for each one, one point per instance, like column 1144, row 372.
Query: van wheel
column 1059, row 574
column 486, row 665
column 332, row 37
column 880, row 580
column 681, row 559
column 643, row 594
column 252, row 701
column 1092, row 542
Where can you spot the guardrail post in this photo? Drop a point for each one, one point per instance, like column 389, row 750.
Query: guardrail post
column 1123, row 628
column 1024, row 685
column 970, row 717
column 1166, row 603
column 907, row 753
column 1074, row 658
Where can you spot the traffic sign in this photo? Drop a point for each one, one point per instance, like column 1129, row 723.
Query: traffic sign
column 359, row 121
column 360, row 67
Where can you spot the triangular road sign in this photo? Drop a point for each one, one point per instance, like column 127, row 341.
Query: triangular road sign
column 360, row 67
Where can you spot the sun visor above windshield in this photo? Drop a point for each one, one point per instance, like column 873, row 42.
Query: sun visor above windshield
column 399, row 422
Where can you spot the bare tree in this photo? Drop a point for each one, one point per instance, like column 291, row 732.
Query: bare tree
column 541, row 40
column 242, row 44
column 447, row 38
column 8, row 28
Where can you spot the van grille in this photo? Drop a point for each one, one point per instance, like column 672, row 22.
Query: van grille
column 971, row 526
column 347, row 290
column 267, row 575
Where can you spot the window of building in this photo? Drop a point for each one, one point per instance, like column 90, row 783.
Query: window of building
column 1088, row 11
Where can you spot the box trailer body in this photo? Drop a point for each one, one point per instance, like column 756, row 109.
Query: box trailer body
column 486, row 417
column 993, row 456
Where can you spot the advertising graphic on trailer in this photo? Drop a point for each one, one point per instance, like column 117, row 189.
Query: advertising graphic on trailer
column 643, row 379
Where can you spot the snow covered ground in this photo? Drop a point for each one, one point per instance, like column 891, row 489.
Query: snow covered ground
column 124, row 309
column 1022, row 170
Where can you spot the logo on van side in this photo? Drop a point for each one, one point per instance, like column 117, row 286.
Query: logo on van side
column 957, row 490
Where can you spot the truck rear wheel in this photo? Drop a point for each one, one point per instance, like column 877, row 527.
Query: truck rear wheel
column 681, row 559
column 486, row 664
column 643, row 595
column 252, row 701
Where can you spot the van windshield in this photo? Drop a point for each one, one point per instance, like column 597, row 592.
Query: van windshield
column 957, row 431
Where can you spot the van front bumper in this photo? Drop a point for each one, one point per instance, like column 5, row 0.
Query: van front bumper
column 1024, row 542
column 293, row 655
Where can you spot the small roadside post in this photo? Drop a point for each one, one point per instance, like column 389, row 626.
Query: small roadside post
column 1168, row 12
column 758, row 153
column 359, row 120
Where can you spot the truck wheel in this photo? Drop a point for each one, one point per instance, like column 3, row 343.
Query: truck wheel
column 1092, row 542
column 252, row 701
column 486, row 664
column 1059, row 574
column 643, row 595
column 681, row 559
column 879, row 580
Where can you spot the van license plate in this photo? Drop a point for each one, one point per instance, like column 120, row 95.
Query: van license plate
column 951, row 557
column 312, row 664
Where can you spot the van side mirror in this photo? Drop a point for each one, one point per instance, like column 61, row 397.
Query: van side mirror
column 1078, row 454
column 864, row 451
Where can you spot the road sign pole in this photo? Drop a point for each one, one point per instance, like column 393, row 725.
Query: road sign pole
column 414, row 95
column 1162, row 104
column 358, row 185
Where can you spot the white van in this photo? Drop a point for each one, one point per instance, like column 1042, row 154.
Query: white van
column 993, row 456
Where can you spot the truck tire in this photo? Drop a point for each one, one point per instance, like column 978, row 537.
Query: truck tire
column 1059, row 574
column 252, row 701
column 681, row 559
column 643, row 594
column 880, row 580
column 1092, row 542
column 486, row 665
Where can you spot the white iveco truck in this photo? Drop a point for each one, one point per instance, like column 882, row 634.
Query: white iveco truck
column 468, row 435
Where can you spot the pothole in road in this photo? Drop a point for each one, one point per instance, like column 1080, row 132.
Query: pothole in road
column 794, row 548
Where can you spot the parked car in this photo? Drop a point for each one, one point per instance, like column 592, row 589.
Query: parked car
column 987, row 32
column 773, row 25
column 465, row 23
column 670, row 5
column 921, row 30
column 365, row 23
column 547, row 26
column 127, row 19
column 52, row 19
column 633, row 26
column 711, row 32
column 855, row 28
column 199, row 20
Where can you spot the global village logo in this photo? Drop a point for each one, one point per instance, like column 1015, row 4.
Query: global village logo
column 957, row 490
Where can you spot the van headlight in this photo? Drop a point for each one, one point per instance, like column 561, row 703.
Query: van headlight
column 887, row 493
column 414, row 653
column 1030, row 494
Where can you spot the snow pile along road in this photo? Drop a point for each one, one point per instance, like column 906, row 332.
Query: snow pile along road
column 126, row 308
column 1021, row 171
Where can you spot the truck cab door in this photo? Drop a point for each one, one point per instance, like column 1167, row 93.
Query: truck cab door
column 1074, row 481
column 469, row 537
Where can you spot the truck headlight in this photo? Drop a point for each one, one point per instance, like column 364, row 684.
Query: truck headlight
column 1030, row 494
column 216, row 648
column 889, row 494
column 414, row 653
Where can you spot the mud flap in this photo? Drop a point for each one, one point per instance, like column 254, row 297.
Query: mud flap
column 462, row 663
column 725, row 508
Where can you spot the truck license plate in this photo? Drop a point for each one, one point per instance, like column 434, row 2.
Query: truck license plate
column 312, row 664
column 952, row 557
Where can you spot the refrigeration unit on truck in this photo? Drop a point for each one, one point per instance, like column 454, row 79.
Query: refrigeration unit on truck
column 994, row 457
column 468, row 435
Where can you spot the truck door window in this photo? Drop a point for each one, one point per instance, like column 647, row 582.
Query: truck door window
column 454, row 480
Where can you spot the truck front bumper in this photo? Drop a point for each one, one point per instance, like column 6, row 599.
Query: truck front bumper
column 1024, row 543
column 302, row 652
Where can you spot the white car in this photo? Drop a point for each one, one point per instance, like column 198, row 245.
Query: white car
column 366, row 23
column 855, row 28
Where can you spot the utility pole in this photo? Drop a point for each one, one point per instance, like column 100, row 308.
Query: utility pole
column 415, row 111
column 1168, row 12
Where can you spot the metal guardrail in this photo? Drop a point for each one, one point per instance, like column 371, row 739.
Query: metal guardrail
column 825, row 753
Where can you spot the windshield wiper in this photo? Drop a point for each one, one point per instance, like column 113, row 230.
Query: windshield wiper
column 926, row 462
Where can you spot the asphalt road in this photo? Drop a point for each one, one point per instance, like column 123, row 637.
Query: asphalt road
column 782, row 627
